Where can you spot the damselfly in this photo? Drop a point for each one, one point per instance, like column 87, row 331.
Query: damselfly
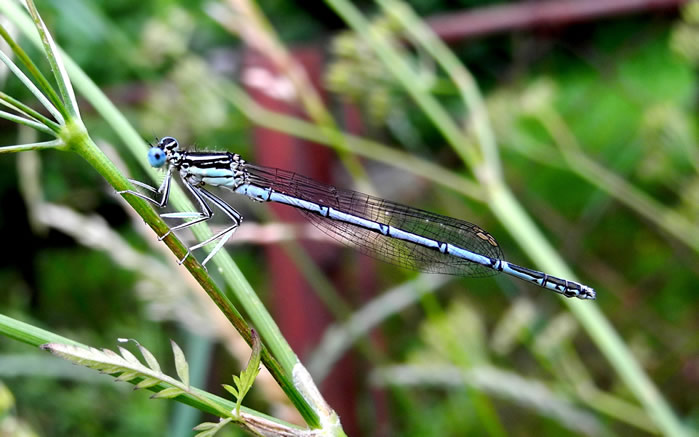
column 401, row 235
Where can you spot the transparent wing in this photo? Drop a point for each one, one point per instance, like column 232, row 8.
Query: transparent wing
column 398, row 252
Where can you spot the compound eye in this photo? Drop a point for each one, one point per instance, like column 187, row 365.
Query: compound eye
column 156, row 157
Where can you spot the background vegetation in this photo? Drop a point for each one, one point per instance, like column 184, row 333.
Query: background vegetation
column 595, row 134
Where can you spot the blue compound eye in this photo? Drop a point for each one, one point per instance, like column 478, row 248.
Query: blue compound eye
column 156, row 157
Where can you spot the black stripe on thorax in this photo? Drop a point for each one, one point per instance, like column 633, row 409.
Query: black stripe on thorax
column 208, row 159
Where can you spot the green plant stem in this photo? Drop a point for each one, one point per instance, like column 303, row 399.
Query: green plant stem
column 617, row 187
column 29, row 112
column 513, row 217
column 53, row 144
column 27, row 122
column 36, row 337
column 31, row 87
column 402, row 71
column 51, row 51
column 33, row 70
column 456, row 71
column 254, row 27
column 356, row 144
column 283, row 361
column 82, row 145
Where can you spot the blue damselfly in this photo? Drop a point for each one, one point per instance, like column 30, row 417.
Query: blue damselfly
column 401, row 235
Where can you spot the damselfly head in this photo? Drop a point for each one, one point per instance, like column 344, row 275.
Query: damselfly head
column 158, row 155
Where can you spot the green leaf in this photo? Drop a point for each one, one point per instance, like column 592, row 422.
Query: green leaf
column 148, row 382
column 181, row 364
column 127, row 376
column 150, row 359
column 248, row 375
column 230, row 389
column 128, row 356
column 168, row 393
column 205, row 426
column 208, row 429
column 54, row 57
column 32, row 88
column 110, row 369
column 34, row 71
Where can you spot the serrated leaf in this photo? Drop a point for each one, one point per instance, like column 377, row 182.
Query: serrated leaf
column 128, row 356
column 181, row 364
column 168, row 393
column 230, row 389
column 127, row 376
column 148, row 382
column 150, row 359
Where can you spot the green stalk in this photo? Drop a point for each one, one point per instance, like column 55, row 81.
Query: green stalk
column 514, row 218
column 461, row 77
column 36, row 337
column 25, row 121
column 77, row 140
column 80, row 143
column 34, row 71
column 29, row 112
column 52, row 54
column 403, row 72
column 356, row 144
column 52, row 144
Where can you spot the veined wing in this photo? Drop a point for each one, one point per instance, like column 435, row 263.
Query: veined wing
column 398, row 252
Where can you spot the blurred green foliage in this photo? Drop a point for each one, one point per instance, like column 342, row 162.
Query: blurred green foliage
column 625, row 88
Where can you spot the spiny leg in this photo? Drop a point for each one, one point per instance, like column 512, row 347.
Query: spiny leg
column 164, row 188
column 206, row 213
column 224, row 235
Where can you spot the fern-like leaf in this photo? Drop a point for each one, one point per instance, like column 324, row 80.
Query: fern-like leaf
column 208, row 429
column 244, row 382
column 181, row 364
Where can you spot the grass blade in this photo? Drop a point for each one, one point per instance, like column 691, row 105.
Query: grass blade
column 33, row 70
column 25, row 121
column 54, row 57
column 32, row 88
column 27, row 111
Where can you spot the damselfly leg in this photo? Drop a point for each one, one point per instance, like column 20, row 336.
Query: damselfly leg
column 205, row 213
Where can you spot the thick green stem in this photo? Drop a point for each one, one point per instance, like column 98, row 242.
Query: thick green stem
column 281, row 370
column 36, row 337
column 80, row 143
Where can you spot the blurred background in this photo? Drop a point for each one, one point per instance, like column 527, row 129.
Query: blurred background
column 592, row 105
